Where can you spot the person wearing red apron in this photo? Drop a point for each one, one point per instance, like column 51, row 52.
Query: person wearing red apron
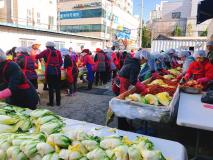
column 88, row 61
column 27, row 64
column 14, row 87
column 53, row 63
column 196, row 69
column 128, row 75
column 71, row 72
column 100, row 60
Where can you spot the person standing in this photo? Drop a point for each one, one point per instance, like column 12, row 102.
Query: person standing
column 90, row 65
column 71, row 71
column 100, row 60
column 14, row 87
column 53, row 63
column 128, row 75
column 27, row 64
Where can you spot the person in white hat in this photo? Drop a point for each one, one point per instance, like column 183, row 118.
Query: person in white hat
column 34, row 49
column 15, row 88
column 53, row 63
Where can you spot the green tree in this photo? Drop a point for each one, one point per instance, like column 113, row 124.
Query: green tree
column 177, row 31
column 146, row 38
column 204, row 33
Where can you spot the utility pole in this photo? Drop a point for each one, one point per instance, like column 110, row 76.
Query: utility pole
column 141, row 24
column 105, row 33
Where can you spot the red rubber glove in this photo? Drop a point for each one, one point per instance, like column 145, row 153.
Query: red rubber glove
column 179, row 77
column 140, row 87
column 5, row 93
column 165, row 71
column 202, row 80
column 187, row 76
column 155, row 75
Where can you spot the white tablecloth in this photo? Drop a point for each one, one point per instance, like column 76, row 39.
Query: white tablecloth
column 191, row 113
column 170, row 149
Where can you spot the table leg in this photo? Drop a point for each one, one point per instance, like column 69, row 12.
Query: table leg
column 197, row 145
column 146, row 127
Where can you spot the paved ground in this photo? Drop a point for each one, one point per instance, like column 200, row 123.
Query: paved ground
column 91, row 106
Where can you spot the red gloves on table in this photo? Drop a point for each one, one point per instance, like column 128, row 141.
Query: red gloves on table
column 179, row 77
column 165, row 71
column 155, row 75
column 141, row 88
column 202, row 80
column 5, row 93
column 187, row 76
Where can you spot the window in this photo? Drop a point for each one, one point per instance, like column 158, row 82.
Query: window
column 26, row 42
column 38, row 18
column 50, row 22
column 83, row 28
column 176, row 15
column 90, row 13
column 29, row 16
column 59, row 45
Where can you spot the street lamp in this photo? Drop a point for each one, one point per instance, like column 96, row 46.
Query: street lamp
column 141, row 24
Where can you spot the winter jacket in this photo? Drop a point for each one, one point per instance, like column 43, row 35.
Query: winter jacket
column 196, row 70
column 100, row 61
column 27, row 65
column 53, row 61
column 87, row 59
column 69, row 62
column 23, row 93
column 112, row 64
column 130, row 70
column 209, row 71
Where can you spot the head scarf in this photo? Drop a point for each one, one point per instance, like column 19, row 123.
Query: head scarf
column 142, row 54
column 199, row 53
column 64, row 51
column 183, row 54
column 22, row 50
column 50, row 44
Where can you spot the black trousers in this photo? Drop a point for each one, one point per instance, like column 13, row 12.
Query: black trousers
column 100, row 77
column 114, row 73
column 53, row 82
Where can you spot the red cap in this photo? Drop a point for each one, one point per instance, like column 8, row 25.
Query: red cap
column 98, row 49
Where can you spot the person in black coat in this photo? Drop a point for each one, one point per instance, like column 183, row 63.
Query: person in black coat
column 14, row 87
column 128, row 74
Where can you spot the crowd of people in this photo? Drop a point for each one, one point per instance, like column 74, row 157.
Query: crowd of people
column 19, row 79
column 197, row 65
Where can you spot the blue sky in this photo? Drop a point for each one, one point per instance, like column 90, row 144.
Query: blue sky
column 148, row 6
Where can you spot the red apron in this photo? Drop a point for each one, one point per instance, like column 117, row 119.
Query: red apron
column 69, row 75
column 124, row 85
column 48, row 64
column 25, row 85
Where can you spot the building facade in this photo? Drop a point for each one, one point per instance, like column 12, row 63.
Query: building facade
column 179, row 14
column 31, row 13
column 103, row 19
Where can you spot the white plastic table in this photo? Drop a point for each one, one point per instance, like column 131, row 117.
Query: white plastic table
column 191, row 113
column 170, row 149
